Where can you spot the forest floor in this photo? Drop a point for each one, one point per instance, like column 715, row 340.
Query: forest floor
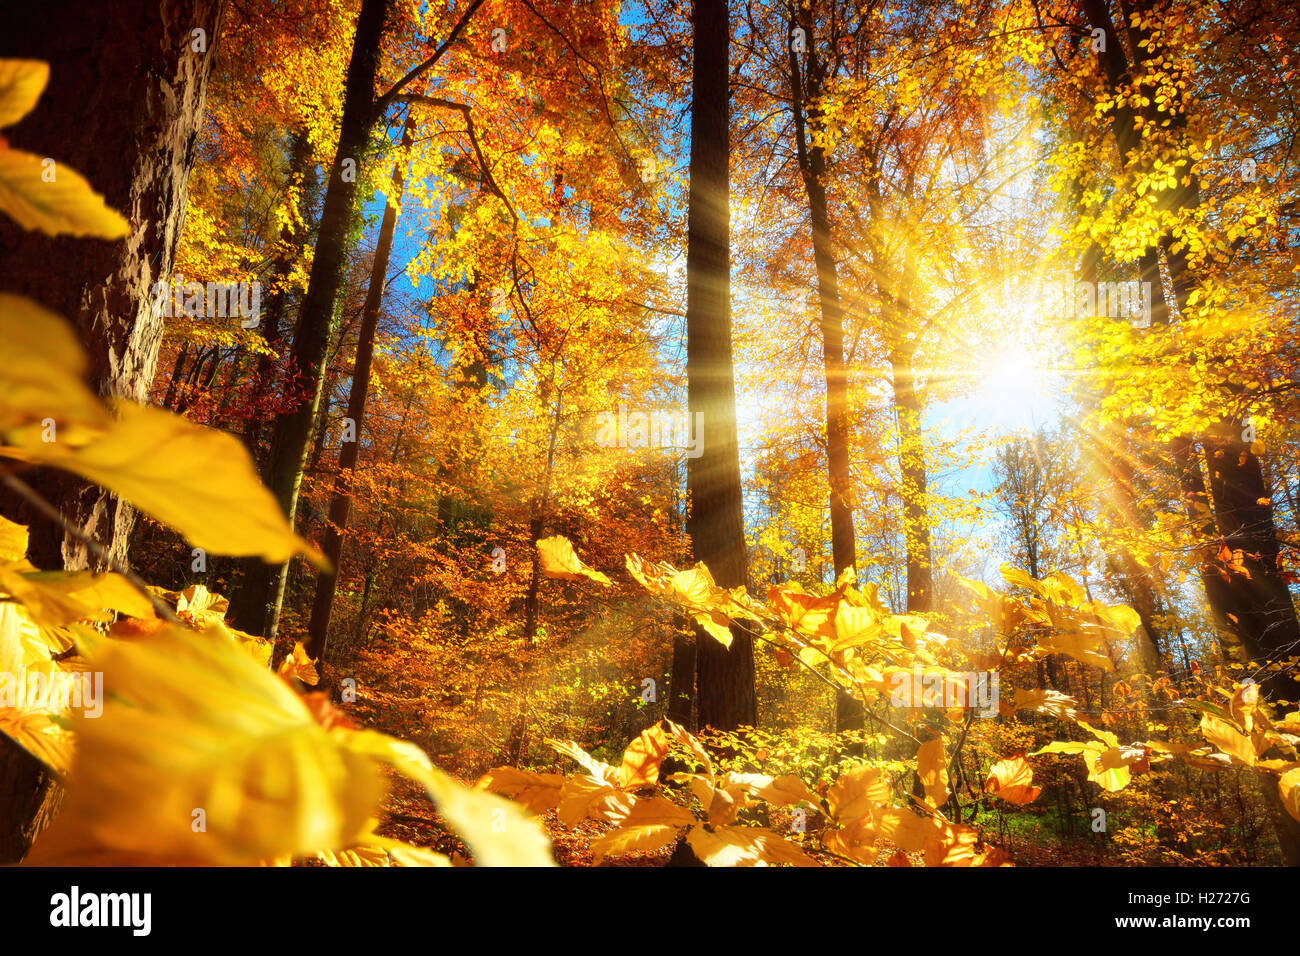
column 392, row 697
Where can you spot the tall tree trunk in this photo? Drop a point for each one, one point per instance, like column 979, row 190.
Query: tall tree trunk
column 911, row 461
column 290, row 245
column 248, row 603
column 681, row 680
column 123, row 107
column 715, row 520
column 849, row 713
column 316, row 322
column 1265, row 614
column 341, row 498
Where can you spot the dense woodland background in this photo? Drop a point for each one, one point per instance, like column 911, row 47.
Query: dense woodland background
column 824, row 227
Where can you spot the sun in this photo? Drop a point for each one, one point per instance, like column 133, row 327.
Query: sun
column 1017, row 382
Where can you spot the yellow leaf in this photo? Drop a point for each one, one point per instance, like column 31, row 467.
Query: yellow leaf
column 645, row 838
column 559, row 560
column 657, row 811
column 199, row 481
column 1110, row 768
column 1011, row 780
column 600, row 771
column 199, row 603
column 21, row 85
column 582, row 798
column 13, row 541
column 855, row 626
column 65, row 205
column 536, row 791
column 856, row 792
column 42, row 375
column 1051, row 702
column 495, row 829
column 1063, row 589
column 381, row 851
column 1288, row 788
column 910, row 832
column 298, row 665
column 1105, row 736
column 744, row 846
column 641, row 759
column 806, row 613
column 193, row 724
column 932, row 768
column 58, row 598
column 1228, row 739
column 779, row 791
column 856, row 841
column 1245, row 700
column 716, row 625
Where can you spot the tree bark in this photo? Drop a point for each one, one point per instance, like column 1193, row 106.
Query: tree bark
column 123, row 107
column 316, row 322
column 715, row 521
column 681, row 681
column 1265, row 615
column 248, row 603
column 911, row 461
column 849, row 713
column 341, row 498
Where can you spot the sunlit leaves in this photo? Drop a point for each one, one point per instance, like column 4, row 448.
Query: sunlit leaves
column 497, row 832
column 857, row 792
column 744, row 846
column 43, row 375
column 932, row 770
column 1109, row 764
column 199, row 481
column 192, row 723
column 1010, row 779
column 1228, row 739
column 559, row 560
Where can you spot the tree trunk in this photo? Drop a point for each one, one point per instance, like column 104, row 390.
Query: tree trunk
column 681, row 681
column 1266, row 619
column 341, row 499
column 849, row 713
column 316, row 322
column 911, row 461
column 289, row 249
column 715, row 521
column 248, row 603
column 123, row 107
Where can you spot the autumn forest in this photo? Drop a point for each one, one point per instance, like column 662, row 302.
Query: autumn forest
column 517, row 433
